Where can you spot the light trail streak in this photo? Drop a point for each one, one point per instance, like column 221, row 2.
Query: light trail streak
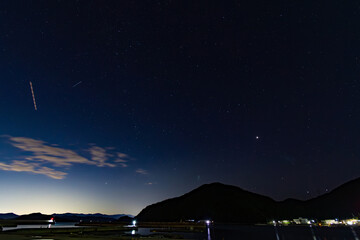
column 33, row 96
column 77, row 84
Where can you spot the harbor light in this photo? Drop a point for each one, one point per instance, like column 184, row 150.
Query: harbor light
column 352, row 221
column 134, row 223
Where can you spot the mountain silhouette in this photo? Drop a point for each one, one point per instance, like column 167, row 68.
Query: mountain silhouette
column 8, row 216
column 65, row 217
column 226, row 203
column 34, row 216
column 214, row 201
column 77, row 217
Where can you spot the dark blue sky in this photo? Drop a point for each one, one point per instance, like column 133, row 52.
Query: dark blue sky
column 141, row 101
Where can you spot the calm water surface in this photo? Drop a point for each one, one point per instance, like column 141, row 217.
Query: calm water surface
column 226, row 232
column 56, row 225
column 230, row 232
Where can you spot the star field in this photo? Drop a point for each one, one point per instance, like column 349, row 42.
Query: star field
column 141, row 101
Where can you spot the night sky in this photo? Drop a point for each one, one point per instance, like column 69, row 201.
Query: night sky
column 139, row 101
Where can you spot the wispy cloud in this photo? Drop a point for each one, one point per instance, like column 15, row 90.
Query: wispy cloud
column 99, row 157
column 150, row 183
column 122, row 155
column 120, row 160
column 45, row 153
column 141, row 171
column 42, row 154
column 123, row 165
column 21, row 166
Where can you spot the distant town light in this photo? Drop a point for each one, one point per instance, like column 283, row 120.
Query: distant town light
column 352, row 221
column 134, row 223
column 207, row 222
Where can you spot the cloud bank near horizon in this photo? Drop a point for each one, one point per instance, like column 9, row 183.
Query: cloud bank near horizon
column 43, row 154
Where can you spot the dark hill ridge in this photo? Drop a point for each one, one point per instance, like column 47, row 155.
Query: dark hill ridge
column 96, row 217
column 225, row 203
column 215, row 201
column 34, row 216
column 125, row 219
column 8, row 216
column 343, row 201
column 65, row 217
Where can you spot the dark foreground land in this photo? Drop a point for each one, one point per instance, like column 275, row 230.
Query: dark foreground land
column 103, row 231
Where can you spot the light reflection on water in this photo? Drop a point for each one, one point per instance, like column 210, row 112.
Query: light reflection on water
column 276, row 232
column 354, row 233
column 57, row 225
column 312, row 233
